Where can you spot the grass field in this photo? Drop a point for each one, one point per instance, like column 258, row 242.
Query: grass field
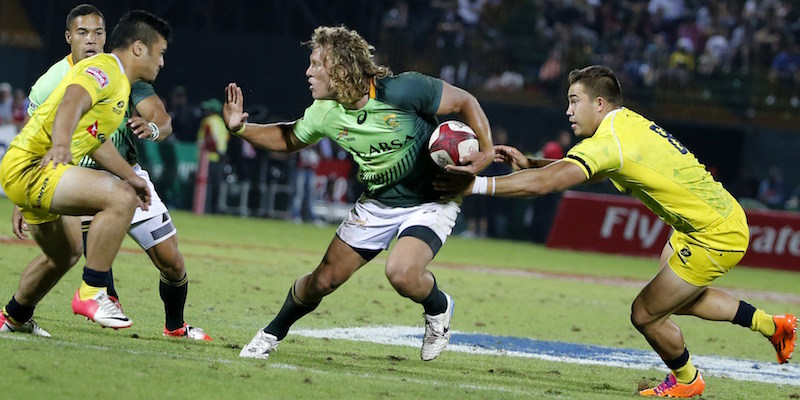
column 241, row 269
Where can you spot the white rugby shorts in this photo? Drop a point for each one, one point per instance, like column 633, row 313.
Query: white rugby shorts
column 371, row 225
column 151, row 227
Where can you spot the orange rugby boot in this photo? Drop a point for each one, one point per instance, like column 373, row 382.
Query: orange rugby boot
column 671, row 388
column 785, row 336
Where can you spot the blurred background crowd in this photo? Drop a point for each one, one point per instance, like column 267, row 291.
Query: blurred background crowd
column 721, row 75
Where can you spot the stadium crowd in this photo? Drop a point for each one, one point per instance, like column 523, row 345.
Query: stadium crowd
column 658, row 47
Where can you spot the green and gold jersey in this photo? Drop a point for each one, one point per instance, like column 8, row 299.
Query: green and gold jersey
column 43, row 86
column 644, row 160
column 387, row 138
column 123, row 138
column 103, row 77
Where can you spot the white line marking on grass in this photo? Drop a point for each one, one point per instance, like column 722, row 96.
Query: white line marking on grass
column 476, row 343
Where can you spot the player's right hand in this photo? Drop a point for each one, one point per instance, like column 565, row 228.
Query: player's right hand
column 18, row 224
column 56, row 155
column 142, row 191
column 233, row 110
column 511, row 156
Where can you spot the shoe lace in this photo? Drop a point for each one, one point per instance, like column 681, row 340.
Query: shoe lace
column 434, row 328
column 668, row 383
column 108, row 306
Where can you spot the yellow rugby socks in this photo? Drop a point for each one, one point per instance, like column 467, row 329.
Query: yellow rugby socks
column 682, row 368
column 754, row 318
column 763, row 323
column 93, row 282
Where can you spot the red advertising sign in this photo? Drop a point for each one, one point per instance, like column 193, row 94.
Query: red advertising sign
column 622, row 225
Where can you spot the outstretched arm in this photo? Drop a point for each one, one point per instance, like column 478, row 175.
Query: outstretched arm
column 461, row 102
column 513, row 157
column 277, row 136
column 555, row 177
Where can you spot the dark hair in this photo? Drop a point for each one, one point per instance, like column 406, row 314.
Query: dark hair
column 598, row 81
column 81, row 10
column 138, row 25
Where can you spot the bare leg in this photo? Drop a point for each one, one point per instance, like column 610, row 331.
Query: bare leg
column 338, row 264
column 111, row 201
column 406, row 268
column 61, row 245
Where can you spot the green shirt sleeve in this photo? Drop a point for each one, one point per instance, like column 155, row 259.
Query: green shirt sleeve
column 140, row 91
column 46, row 83
column 309, row 129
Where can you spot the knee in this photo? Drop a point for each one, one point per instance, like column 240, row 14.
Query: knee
column 322, row 282
column 75, row 254
column 126, row 199
column 400, row 276
column 174, row 268
column 640, row 317
column 67, row 259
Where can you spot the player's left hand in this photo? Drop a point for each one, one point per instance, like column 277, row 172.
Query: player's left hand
column 56, row 155
column 453, row 185
column 473, row 163
column 140, row 127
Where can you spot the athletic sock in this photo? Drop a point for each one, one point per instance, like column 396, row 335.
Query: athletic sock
column 17, row 313
column 173, row 294
column 93, row 282
column 292, row 310
column 755, row 319
column 762, row 322
column 682, row 368
column 436, row 302
column 110, row 289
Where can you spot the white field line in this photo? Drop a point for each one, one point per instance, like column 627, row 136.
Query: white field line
column 747, row 370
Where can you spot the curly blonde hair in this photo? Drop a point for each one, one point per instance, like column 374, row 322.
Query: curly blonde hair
column 349, row 59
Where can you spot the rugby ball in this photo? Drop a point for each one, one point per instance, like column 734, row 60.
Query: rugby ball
column 450, row 141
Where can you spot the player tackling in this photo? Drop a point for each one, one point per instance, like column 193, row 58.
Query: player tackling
column 710, row 227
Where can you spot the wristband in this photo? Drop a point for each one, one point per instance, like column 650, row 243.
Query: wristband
column 480, row 185
column 154, row 132
column 494, row 185
column 239, row 131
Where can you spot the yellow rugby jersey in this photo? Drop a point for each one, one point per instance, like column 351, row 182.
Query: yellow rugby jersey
column 104, row 79
column 643, row 160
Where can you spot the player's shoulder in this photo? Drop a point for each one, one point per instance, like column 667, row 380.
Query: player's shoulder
column 142, row 88
column 323, row 106
column 404, row 78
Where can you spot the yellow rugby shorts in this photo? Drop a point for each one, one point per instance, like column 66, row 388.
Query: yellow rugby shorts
column 28, row 186
column 700, row 257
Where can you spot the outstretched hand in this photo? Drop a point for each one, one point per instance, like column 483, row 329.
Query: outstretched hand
column 511, row 156
column 233, row 110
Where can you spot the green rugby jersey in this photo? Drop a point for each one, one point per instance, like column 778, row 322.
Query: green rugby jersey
column 123, row 138
column 387, row 138
column 46, row 83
